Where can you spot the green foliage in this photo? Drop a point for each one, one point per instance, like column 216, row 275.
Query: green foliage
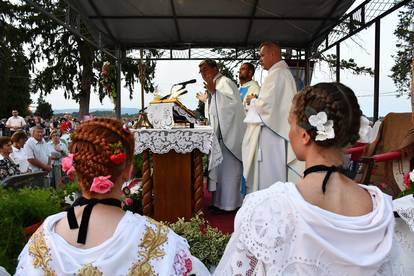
column 67, row 190
column 206, row 243
column 401, row 70
column 137, row 161
column 44, row 109
column 107, row 82
column 349, row 64
column 19, row 209
column 130, row 69
column 71, row 63
column 14, row 69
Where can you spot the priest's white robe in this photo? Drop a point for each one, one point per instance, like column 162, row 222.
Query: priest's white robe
column 266, row 150
column 252, row 88
column 278, row 233
column 226, row 115
column 139, row 246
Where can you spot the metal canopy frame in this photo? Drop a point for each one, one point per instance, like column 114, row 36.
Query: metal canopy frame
column 366, row 14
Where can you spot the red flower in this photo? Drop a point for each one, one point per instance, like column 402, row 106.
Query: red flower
column 407, row 182
column 128, row 201
column 118, row 158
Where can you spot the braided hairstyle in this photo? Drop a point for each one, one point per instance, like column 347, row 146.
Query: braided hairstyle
column 91, row 150
column 340, row 104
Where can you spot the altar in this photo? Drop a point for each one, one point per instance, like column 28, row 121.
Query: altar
column 172, row 175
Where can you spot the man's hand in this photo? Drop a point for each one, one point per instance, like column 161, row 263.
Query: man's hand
column 211, row 85
column 47, row 168
column 249, row 98
column 202, row 97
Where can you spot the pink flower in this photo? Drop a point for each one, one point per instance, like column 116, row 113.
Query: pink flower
column 128, row 201
column 188, row 265
column 71, row 173
column 67, row 163
column 407, row 182
column 101, row 184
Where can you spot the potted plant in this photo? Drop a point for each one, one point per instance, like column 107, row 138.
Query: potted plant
column 206, row 242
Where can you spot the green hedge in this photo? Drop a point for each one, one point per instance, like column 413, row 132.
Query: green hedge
column 19, row 209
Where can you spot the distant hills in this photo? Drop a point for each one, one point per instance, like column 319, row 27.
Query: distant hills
column 124, row 110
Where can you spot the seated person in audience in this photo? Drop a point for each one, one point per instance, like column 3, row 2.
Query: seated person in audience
column 326, row 224
column 95, row 236
column 7, row 166
column 19, row 155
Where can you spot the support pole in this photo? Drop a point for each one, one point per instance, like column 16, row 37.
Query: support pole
column 338, row 62
column 142, row 78
column 377, row 69
column 118, row 83
column 307, row 67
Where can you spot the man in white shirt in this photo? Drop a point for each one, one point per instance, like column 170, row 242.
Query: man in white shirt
column 226, row 116
column 38, row 152
column 248, row 86
column 15, row 122
column 265, row 144
column 19, row 154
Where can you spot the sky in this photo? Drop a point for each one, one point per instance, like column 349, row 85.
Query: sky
column 170, row 72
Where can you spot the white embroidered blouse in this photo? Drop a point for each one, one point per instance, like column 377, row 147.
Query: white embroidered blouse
column 278, row 233
column 139, row 246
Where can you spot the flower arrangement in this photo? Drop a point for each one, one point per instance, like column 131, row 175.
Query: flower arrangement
column 107, row 81
column 206, row 242
column 133, row 197
column 408, row 182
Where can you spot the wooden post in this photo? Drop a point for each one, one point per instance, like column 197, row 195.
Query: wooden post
column 147, row 203
column 198, row 182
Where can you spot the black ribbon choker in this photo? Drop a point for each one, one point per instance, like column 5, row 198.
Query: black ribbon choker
column 323, row 168
column 83, row 228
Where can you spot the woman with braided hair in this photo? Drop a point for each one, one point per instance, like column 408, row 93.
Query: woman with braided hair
column 95, row 236
column 326, row 224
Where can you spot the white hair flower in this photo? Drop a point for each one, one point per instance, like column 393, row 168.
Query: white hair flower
column 324, row 127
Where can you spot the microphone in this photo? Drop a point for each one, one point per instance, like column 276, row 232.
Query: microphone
column 182, row 93
column 184, row 83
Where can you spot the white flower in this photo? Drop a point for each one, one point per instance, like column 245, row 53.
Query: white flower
column 323, row 126
column 365, row 130
column 412, row 176
column 318, row 120
column 325, row 132
column 135, row 189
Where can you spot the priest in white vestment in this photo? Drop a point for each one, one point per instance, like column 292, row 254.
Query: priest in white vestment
column 248, row 86
column 265, row 145
column 226, row 116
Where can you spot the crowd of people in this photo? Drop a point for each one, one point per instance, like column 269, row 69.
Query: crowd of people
column 35, row 145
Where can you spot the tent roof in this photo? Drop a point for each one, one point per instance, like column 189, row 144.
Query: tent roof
column 179, row 24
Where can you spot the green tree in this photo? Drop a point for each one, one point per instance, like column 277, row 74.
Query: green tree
column 14, row 68
column 44, row 109
column 71, row 62
column 401, row 71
